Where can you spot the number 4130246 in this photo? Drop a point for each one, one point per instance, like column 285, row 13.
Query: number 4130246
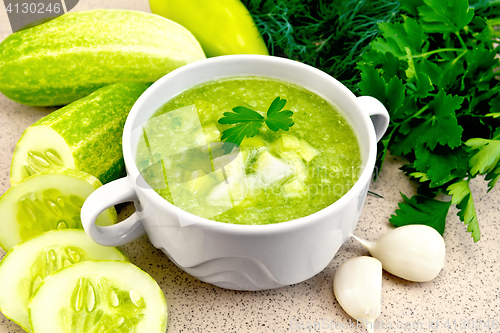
column 477, row 324
column 34, row 8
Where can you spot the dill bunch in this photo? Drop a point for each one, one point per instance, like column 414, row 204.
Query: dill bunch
column 332, row 34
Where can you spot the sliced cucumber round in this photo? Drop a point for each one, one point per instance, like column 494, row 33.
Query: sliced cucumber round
column 27, row 264
column 47, row 201
column 39, row 155
column 98, row 296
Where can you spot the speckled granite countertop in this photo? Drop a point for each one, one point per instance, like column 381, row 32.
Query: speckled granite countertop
column 466, row 291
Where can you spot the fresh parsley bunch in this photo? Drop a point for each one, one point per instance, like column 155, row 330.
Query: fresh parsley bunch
column 434, row 71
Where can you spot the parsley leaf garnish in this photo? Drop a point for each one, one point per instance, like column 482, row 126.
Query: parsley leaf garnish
column 250, row 121
column 240, row 114
column 277, row 119
column 421, row 210
column 237, row 133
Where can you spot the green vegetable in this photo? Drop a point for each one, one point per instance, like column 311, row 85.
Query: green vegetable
column 47, row 201
column 221, row 26
column 329, row 35
column 332, row 35
column 271, row 169
column 85, row 135
column 421, row 210
column 294, row 187
column 307, row 151
column 433, row 70
column 462, row 197
column 98, row 296
column 26, row 265
column 289, row 143
column 68, row 58
column 251, row 121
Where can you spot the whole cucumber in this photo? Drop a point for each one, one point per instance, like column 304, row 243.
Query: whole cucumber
column 71, row 56
column 85, row 135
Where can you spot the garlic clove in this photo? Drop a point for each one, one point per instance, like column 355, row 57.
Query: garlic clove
column 412, row 252
column 357, row 285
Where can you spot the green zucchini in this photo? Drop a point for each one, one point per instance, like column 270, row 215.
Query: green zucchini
column 68, row 58
column 85, row 135
column 98, row 296
column 47, row 201
column 26, row 265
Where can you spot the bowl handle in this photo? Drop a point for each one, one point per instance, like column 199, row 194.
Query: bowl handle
column 377, row 112
column 108, row 195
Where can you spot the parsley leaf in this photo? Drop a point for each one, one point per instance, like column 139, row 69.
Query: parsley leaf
column 277, row 119
column 421, row 210
column 462, row 197
column 487, row 157
column 411, row 6
column 420, row 83
column 436, row 125
column 250, row 121
column 237, row 133
column 493, row 177
column 445, row 15
column 390, row 92
column 399, row 36
column 443, row 126
column 240, row 114
column 441, row 166
column 495, row 106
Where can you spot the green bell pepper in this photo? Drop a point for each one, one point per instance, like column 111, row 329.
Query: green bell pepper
column 221, row 26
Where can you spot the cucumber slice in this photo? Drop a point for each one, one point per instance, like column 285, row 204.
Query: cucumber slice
column 253, row 142
column 289, row 143
column 50, row 200
column 26, row 265
column 294, row 187
column 307, row 151
column 271, row 169
column 211, row 133
column 84, row 135
column 98, row 296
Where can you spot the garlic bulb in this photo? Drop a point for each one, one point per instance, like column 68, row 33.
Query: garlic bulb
column 413, row 252
column 357, row 285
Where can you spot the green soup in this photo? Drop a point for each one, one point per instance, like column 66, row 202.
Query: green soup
column 285, row 175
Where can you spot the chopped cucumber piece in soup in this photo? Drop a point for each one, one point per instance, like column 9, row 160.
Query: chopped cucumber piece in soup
column 47, row 201
column 211, row 133
column 299, row 168
column 229, row 192
column 197, row 181
column 235, row 167
column 98, row 296
column 27, row 264
column 294, row 187
column 253, row 142
column 271, row 169
column 307, row 151
column 289, row 143
column 289, row 155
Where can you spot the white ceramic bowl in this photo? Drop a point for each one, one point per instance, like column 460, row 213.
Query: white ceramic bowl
column 242, row 257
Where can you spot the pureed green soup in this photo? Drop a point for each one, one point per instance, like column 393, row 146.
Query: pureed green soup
column 285, row 175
